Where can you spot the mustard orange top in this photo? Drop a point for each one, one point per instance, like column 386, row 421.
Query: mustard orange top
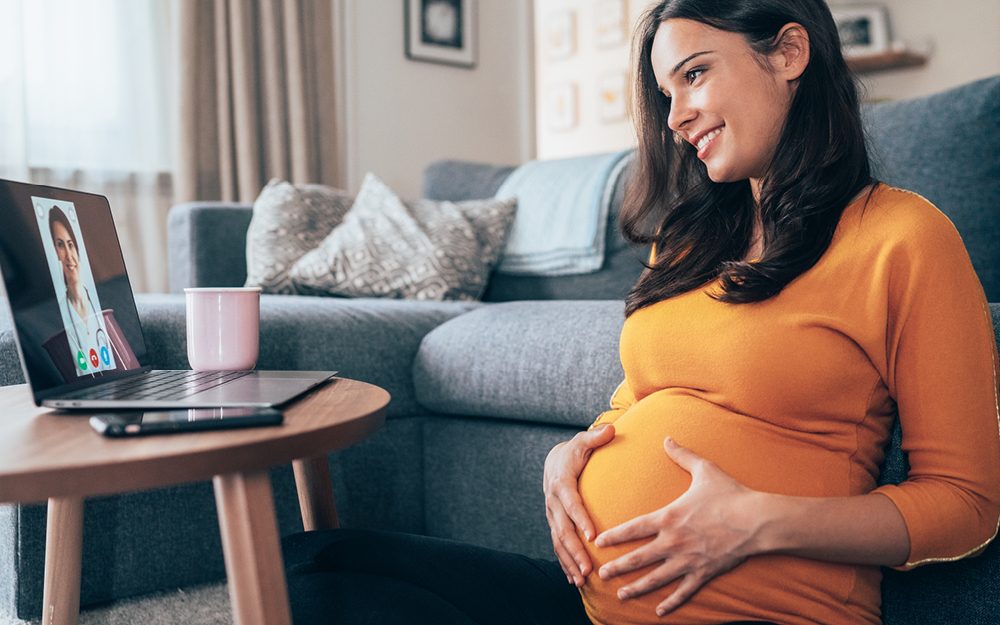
column 797, row 395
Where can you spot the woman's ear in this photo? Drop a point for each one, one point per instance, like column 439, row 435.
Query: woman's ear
column 791, row 53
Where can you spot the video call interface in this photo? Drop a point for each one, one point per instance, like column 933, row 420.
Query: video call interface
column 73, row 282
column 67, row 287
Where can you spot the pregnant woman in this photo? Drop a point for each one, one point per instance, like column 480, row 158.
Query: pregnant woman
column 793, row 309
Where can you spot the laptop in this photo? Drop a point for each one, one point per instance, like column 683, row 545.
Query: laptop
column 75, row 321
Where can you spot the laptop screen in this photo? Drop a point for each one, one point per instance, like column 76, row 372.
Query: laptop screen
column 72, row 305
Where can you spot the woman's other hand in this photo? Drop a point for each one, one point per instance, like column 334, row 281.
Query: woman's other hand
column 564, row 508
column 703, row 533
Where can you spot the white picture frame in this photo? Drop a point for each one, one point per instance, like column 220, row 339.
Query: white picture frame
column 560, row 34
column 864, row 29
column 612, row 22
column 562, row 106
column 611, row 97
column 441, row 31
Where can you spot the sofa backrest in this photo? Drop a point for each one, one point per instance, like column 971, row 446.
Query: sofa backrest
column 946, row 147
column 462, row 180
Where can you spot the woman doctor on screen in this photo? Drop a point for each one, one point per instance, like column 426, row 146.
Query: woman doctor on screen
column 84, row 321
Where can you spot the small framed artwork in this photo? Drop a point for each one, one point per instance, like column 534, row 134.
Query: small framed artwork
column 864, row 29
column 611, row 17
column 441, row 31
column 611, row 91
column 562, row 106
column 560, row 34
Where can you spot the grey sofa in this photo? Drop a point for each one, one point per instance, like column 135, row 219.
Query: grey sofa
column 481, row 391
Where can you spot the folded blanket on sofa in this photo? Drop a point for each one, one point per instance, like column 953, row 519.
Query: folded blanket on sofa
column 562, row 214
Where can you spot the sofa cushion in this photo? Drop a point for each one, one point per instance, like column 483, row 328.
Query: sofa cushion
column 548, row 362
column 422, row 249
column 288, row 221
column 371, row 340
column 483, row 478
column 945, row 147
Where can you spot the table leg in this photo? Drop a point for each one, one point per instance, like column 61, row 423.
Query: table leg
column 312, row 481
column 63, row 557
column 252, row 549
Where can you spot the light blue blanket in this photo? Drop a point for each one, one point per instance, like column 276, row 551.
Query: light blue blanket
column 562, row 214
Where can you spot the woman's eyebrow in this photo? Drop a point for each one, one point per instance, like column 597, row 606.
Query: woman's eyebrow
column 678, row 67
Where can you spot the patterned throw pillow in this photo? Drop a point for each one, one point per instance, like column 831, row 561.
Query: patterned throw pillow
column 412, row 249
column 289, row 221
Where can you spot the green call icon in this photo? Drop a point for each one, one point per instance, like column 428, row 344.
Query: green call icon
column 81, row 360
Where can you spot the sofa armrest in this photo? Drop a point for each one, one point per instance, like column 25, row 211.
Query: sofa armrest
column 207, row 244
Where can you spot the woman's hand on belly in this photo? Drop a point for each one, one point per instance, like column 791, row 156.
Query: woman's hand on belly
column 705, row 532
column 564, row 508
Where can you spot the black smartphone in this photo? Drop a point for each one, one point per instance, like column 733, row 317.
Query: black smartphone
column 139, row 423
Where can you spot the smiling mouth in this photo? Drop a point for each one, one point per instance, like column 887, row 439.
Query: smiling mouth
column 706, row 139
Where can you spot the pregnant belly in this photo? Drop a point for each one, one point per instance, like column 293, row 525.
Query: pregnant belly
column 632, row 476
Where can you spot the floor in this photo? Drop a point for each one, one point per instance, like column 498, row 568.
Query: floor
column 197, row 605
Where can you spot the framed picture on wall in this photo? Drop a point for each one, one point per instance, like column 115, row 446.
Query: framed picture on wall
column 864, row 29
column 560, row 34
column 562, row 106
column 611, row 88
column 441, row 31
column 611, row 18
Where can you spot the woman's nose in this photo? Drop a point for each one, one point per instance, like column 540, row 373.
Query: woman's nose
column 680, row 113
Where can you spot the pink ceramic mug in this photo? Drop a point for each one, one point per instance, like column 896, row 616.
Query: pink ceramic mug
column 223, row 327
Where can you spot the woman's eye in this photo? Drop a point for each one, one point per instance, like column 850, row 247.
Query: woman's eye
column 693, row 74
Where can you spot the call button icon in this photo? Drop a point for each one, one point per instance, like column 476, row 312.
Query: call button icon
column 94, row 360
column 81, row 360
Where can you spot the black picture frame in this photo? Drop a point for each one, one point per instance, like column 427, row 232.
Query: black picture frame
column 863, row 29
column 441, row 31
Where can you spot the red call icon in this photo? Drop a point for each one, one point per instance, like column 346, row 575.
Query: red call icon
column 94, row 360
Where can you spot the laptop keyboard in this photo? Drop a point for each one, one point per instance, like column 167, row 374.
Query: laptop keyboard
column 159, row 385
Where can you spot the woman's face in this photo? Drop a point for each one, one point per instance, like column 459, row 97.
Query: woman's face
column 66, row 251
column 723, row 101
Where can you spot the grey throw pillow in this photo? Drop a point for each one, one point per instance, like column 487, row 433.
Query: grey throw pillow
column 288, row 221
column 412, row 249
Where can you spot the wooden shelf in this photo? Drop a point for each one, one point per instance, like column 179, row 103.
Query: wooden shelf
column 893, row 59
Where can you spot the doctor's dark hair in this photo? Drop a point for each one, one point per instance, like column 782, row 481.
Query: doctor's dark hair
column 57, row 216
column 703, row 230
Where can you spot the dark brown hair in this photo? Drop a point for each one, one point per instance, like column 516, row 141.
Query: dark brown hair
column 702, row 229
column 56, row 215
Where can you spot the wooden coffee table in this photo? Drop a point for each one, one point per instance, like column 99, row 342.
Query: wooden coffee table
column 57, row 456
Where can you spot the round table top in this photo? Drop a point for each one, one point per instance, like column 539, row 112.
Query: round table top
column 46, row 453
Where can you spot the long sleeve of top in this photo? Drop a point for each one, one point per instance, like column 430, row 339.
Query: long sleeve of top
column 797, row 395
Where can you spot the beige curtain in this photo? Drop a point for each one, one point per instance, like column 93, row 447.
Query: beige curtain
column 256, row 96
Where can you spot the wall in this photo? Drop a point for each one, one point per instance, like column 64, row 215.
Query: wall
column 585, row 68
column 397, row 115
column 961, row 38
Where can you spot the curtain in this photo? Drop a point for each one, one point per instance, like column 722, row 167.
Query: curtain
column 256, row 96
column 85, row 103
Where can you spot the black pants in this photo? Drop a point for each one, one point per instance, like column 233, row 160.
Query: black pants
column 354, row 577
column 360, row 577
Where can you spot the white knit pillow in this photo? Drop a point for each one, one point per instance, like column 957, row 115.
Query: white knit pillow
column 289, row 221
column 412, row 249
